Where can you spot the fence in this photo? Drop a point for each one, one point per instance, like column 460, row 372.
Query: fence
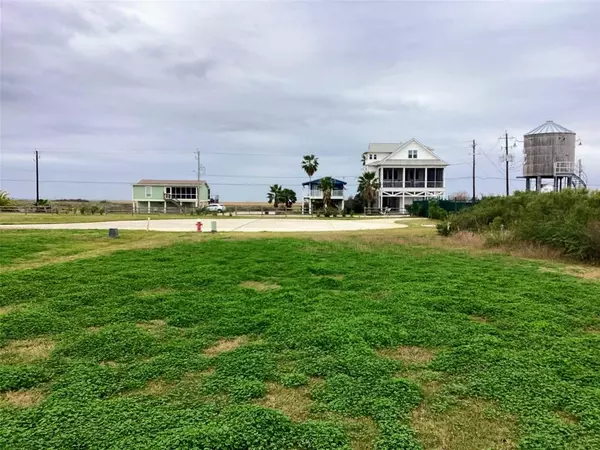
column 421, row 207
column 385, row 212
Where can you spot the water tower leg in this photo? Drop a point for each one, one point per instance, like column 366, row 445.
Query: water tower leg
column 527, row 184
column 538, row 184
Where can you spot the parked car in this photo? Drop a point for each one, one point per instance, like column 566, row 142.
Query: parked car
column 216, row 207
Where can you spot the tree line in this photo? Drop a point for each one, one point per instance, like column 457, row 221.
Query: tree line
column 368, row 185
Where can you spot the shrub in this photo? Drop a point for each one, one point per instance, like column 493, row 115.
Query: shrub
column 436, row 212
column 94, row 209
column 443, row 228
column 83, row 210
column 415, row 210
column 567, row 221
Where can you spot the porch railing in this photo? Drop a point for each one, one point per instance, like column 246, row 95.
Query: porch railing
column 318, row 193
column 411, row 184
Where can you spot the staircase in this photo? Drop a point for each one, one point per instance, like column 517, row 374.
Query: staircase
column 170, row 198
column 571, row 170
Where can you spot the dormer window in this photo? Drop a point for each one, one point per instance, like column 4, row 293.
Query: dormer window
column 374, row 156
column 370, row 156
column 412, row 154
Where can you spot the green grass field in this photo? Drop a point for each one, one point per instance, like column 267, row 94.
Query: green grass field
column 221, row 342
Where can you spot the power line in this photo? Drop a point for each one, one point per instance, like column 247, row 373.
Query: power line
column 129, row 183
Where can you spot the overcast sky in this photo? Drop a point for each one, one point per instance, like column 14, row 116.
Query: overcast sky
column 114, row 92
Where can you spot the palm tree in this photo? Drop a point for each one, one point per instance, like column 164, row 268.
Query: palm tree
column 368, row 185
column 326, row 186
column 310, row 164
column 363, row 158
column 4, row 198
column 274, row 194
column 288, row 197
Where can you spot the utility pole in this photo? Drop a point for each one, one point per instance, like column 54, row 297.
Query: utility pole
column 474, row 145
column 506, row 156
column 198, row 178
column 197, row 153
column 37, row 178
column 199, row 171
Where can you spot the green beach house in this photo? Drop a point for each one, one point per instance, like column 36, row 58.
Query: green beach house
column 167, row 195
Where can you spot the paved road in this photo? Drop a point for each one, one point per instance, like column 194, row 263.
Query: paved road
column 245, row 225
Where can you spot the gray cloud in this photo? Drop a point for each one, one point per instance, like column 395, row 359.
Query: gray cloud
column 128, row 90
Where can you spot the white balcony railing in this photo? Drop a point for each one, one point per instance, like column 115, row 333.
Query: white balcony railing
column 411, row 184
column 318, row 193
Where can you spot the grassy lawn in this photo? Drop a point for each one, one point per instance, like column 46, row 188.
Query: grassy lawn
column 362, row 341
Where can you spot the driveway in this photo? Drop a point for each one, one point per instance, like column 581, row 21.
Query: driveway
column 243, row 225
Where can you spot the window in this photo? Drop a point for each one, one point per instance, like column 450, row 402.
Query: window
column 412, row 154
column 374, row 156
column 370, row 156
column 148, row 191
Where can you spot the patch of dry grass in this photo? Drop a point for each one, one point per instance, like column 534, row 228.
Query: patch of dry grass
column 27, row 350
column 156, row 387
column 479, row 319
column 260, row 286
column 293, row 402
column 362, row 432
column 408, row 354
column 22, row 399
column 156, row 326
column 471, row 425
column 586, row 272
column 4, row 310
column 567, row 418
column 153, row 292
column 338, row 277
column 111, row 364
column 225, row 345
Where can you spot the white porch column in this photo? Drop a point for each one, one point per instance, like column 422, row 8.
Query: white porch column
column 148, row 205
column 403, row 178
column 402, row 205
column 165, row 207
column 310, row 205
column 426, row 188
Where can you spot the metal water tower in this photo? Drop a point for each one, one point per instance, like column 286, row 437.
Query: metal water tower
column 549, row 152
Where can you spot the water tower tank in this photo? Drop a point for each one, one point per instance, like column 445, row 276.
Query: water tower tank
column 545, row 145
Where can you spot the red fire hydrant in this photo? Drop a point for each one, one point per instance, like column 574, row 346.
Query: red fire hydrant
column 199, row 226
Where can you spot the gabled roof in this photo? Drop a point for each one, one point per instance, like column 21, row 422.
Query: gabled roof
column 146, row 182
column 383, row 147
column 413, row 141
column 391, row 147
column 549, row 127
column 335, row 181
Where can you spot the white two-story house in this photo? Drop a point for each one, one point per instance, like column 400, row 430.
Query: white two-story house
column 407, row 172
